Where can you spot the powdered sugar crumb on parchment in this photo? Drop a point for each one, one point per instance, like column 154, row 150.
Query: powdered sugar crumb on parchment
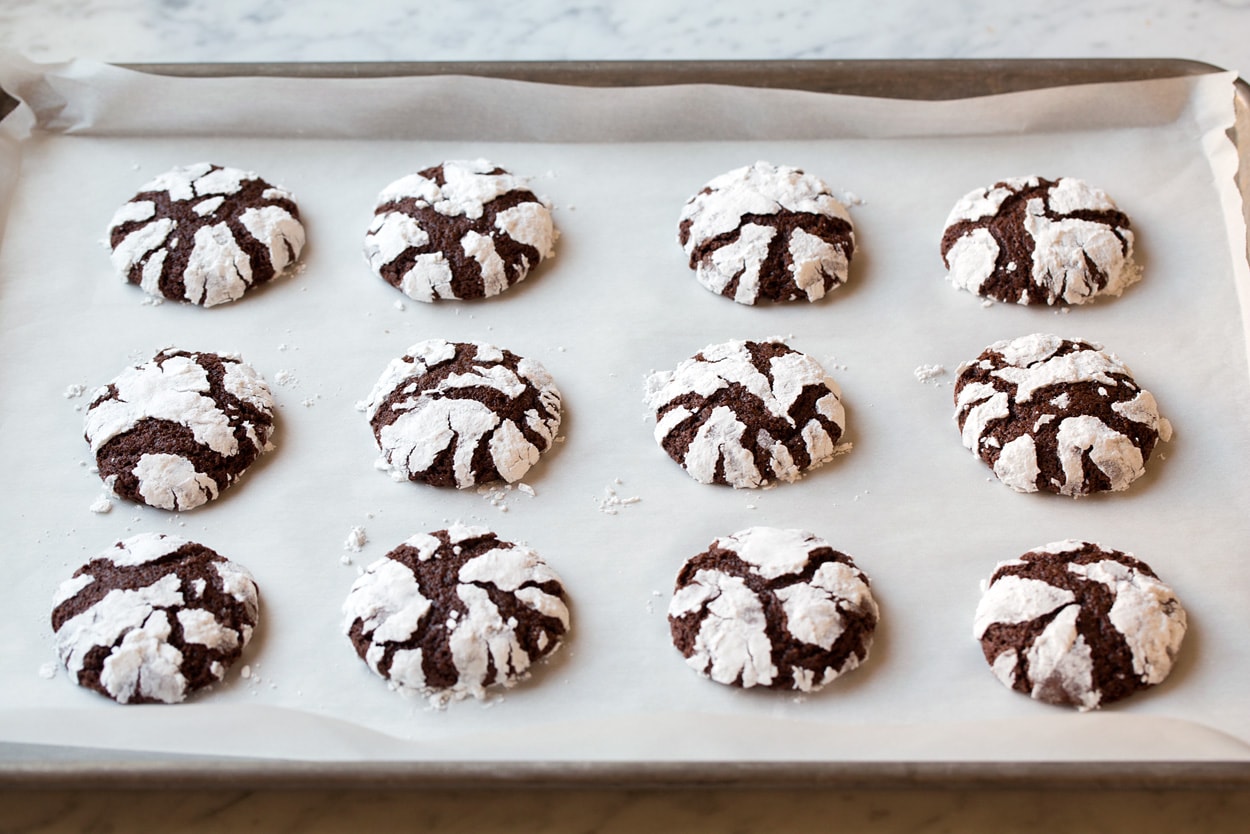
column 101, row 505
column 47, row 671
column 356, row 539
column 929, row 373
column 498, row 494
column 251, row 673
column 74, row 391
column 611, row 503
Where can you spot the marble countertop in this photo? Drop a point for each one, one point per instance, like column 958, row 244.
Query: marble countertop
column 329, row 30
column 1214, row 31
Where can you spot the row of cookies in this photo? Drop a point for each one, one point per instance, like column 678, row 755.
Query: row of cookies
column 449, row 614
column 1045, row 414
column 206, row 234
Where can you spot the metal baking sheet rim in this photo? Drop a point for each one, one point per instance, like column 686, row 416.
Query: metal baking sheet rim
column 41, row 766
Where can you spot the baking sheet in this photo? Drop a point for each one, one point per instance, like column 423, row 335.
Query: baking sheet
column 915, row 509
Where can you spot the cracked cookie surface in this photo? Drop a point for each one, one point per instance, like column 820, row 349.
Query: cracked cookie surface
column 774, row 608
column 1077, row 624
column 205, row 234
column 1031, row 240
column 463, row 229
column 767, row 233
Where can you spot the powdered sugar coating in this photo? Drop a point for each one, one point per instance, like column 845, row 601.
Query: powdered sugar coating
column 1030, row 240
column 767, row 232
column 1059, row 415
column 773, row 608
column 462, row 229
column 1078, row 624
column 153, row 618
column 175, row 431
column 448, row 614
column 747, row 413
column 463, row 413
column 205, row 234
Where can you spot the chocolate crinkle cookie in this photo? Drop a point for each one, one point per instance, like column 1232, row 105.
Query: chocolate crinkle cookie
column 1076, row 624
column 462, row 413
column 772, row 608
column 463, row 229
column 153, row 619
column 767, row 232
column 1036, row 241
column 177, row 430
column 1057, row 415
column 448, row 614
column 205, row 234
column 747, row 413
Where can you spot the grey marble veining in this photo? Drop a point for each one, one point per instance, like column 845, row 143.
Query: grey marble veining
column 331, row 30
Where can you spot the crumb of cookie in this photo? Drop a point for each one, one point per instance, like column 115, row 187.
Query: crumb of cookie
column 356, row 539
column 928, row 373
column 611, row 503
column 101, row 505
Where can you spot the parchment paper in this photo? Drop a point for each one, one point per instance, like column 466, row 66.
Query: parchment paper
column 919, row 513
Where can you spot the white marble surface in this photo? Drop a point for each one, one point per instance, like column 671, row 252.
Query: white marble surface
column 1215, row 31
column 332, row 30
